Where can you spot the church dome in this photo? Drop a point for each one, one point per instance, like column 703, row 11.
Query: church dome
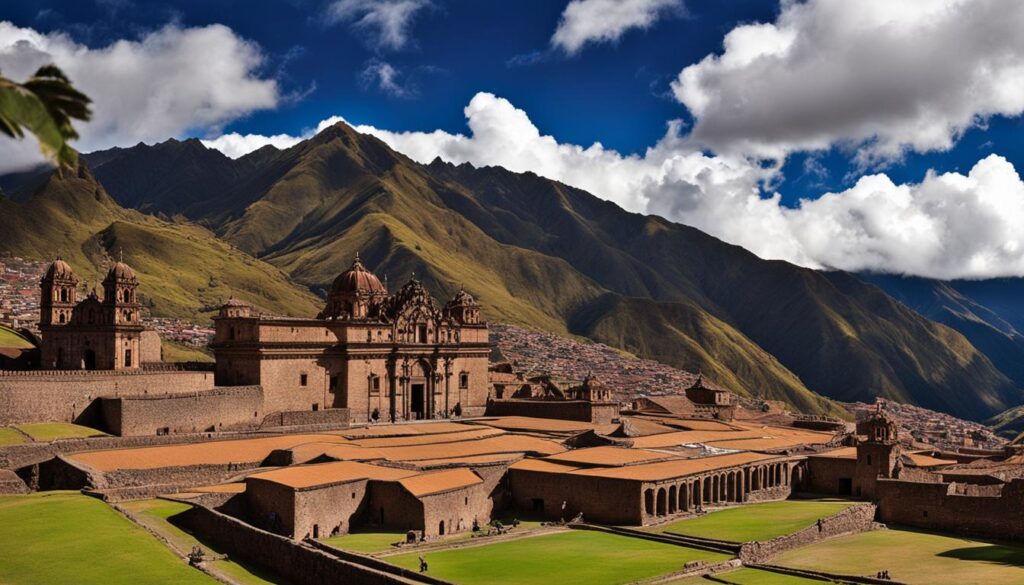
column 59, row 269
column 356, row 279
column 462, row 299
column 121, row 271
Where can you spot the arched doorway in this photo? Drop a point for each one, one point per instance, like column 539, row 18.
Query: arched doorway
column 673, row 500
column 649, row 502
column 89, row 360
column 662, row 502
column 440, row 528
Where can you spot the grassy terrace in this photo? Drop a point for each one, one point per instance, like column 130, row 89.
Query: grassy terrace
column 63, row 537
column 575, row 556
column 155, row 514
column 9, row 436
column 757, row 521
column 45, row 432
column 914, row 557
column 369, row 541
column 748, row 577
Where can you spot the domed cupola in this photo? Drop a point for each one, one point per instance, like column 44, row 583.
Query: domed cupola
column 119, row 291
column 463, row 308
column 60, row 270
column 353, row 293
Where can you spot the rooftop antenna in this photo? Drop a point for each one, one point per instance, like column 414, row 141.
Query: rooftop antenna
column 120, row 255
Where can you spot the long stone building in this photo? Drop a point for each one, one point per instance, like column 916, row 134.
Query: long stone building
column 381, row 356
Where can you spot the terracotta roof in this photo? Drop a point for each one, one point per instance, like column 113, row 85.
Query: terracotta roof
column 403, row 430
column 759, row 443
column 469, row 434
column 324, row 474
column 221, row 488
column 844, row 453
column 542, row 465
column 426, row 484
column 675, row 467
column 687, row 437
column 469, row 460
column 607, row 456
column 507, row 443
column 674, row 404
column 525, row 423
column 922, row 460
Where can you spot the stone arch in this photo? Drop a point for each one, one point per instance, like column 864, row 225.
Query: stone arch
column 662, row 502
column 684, row 497
column 707, row 490
column 673, row 499
column 649, row 502
column 731, row 487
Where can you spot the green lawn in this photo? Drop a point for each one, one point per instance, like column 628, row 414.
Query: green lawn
column 156, row 513
column 575, row 556
column 65, row 537
column 757, row 521
column 365, row 541
column 46, row 432
column 914, row 557
column 748, row 577
column 9, row 436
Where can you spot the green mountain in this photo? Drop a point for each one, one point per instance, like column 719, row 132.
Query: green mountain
column 183, row 269
column 539, row 253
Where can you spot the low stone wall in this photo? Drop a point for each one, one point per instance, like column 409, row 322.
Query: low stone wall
column 829, row 577
column 10, row 483
column 772, row 494
column 19, row 456
column 294, row 418
column 73, row 396
column 938, row 506
column 212, row 410
column 298, row 563
column 856, row 518
column 581, row 410
column 376, row 564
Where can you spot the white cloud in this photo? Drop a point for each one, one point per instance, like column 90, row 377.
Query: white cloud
column 387, row 79
column 948, row 226
column 882, row 76
column 387, row 21
column 145, row 90
column 598, row 21
column 235, row 145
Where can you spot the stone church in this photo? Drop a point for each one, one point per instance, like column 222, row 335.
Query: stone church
column 384, row 357
column 95, row 333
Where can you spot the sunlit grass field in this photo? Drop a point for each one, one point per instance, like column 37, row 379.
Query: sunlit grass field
column 576, row 556
column 757, row 521
column 66, row 537
column 44, row 432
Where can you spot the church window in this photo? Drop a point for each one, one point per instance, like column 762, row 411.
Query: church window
column 464, row 380
column 303, row 379
column 422, row 334
column 64, row 295
column 61, row 318
column 127, row 358
column 375, row 386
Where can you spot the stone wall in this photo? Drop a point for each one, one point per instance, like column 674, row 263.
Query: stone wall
column 213, row 410
column 10, row 483
column 938, row 506
column 73, row 396
column 856, row 518
column 581, row 410
column 609, row 501
column 297, row 563
column 830, row 475
column 330, row 416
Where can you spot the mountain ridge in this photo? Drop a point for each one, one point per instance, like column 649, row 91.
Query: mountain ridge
column 541, row 253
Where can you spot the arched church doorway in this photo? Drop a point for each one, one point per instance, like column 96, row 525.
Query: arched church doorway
column 89, row 359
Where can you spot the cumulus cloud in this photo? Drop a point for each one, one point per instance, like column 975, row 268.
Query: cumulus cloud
column 235, row 145
column 145, row 90
column 598, row 21
column 947, row 226
column 879, row 76
column 386, row 21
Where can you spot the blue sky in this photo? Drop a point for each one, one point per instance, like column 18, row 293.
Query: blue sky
column 601, row 71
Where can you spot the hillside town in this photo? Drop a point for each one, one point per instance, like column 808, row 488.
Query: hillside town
column 934, row 428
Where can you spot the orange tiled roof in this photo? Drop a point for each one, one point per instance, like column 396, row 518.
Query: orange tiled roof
column 542, row 465
column 674, row 468
column 844, row 453
column 470, row 433
column 322, row 474
column 525, row 423
column 436, row 482
column 607, row 456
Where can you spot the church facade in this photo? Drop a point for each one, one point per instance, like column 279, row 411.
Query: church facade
column 383, row 356
column 95, row 333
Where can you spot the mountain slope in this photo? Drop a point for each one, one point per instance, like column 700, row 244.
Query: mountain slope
column 540, row 253
column 184, row 271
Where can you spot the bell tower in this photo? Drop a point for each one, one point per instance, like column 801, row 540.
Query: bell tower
column 59, row 294
column 878, row 453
